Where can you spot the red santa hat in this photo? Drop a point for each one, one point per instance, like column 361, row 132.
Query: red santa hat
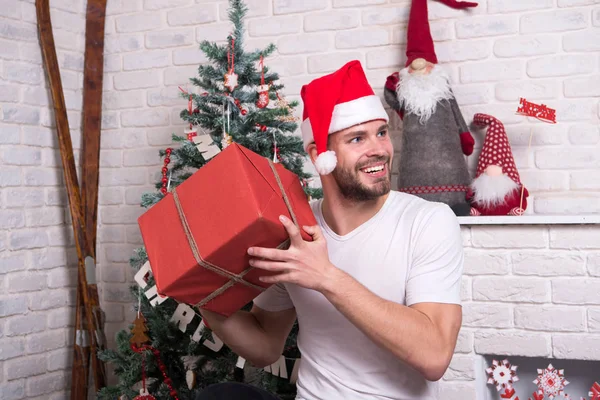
column 419, row 40
column 496, row 148
column 335, row 102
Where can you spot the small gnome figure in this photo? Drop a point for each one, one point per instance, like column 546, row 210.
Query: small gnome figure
column 496, row 189
column 435, row 135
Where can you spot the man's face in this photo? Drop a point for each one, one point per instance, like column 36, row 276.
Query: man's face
column 364, row 158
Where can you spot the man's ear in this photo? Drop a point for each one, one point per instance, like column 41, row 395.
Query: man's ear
column 312, row 152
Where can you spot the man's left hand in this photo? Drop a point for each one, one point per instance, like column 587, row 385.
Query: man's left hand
column 304, row 263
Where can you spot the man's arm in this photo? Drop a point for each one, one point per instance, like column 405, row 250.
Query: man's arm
column 258, row 335
column 423, row 335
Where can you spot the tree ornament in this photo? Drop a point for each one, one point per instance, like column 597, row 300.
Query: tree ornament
column 190, row 379
column 227, row 140
column 231, row 78
column 144, row 395
column 263, row 90
column 276, row 155
column 166, row 162
column 191, row 133
column 139, row 331
column 283, row 103
column 261, row 127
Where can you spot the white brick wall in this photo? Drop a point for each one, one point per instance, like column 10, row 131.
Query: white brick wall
column 528, row 290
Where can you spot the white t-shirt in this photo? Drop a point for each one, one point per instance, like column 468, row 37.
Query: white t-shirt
column 409, row 252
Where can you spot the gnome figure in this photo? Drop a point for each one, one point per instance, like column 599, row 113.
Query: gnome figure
column 435, row 135
column 497, row 188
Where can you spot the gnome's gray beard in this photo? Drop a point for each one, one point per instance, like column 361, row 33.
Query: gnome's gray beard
column 490, row 191
column 419, row 94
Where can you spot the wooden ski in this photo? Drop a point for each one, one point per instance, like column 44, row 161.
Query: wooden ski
column 91, row 329
column 92, row 120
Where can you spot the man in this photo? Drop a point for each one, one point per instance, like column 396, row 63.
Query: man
column 434, row 133
column 377, row 291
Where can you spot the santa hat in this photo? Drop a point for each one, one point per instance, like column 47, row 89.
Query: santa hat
column 334, row 102
column 496, row 149
column 420, row 42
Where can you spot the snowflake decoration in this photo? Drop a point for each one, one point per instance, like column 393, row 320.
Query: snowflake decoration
column 551, row 381
column 502, row 375
column 595, row 391
column 231, row 81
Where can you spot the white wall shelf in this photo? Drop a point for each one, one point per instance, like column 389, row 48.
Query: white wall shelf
column 531, row 220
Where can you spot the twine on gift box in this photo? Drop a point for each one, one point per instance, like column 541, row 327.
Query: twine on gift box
column 233, row 278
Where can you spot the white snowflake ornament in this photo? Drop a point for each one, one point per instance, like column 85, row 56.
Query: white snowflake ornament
column 551, row 381
column 231, row 81
column 502, row 375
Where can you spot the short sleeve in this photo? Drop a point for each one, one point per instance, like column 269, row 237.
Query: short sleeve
column 437, row 263
column 275, row 298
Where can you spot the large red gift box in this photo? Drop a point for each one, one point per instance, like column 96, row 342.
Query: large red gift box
column 198, row 235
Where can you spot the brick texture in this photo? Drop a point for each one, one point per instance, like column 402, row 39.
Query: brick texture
column 528, row 290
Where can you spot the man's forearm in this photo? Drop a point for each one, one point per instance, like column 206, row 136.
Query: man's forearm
column 407, row 333
column 242, row 333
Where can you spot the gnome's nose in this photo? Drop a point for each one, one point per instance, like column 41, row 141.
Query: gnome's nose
column 493, row 170
column 418, row 66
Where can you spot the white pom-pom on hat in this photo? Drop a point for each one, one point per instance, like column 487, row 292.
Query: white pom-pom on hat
column 326, row 162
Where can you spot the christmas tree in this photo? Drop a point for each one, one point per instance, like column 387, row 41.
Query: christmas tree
column 236, row 99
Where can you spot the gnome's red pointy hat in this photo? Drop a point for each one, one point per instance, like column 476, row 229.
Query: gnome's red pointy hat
column 496, row 149
column 419, row 40
column 334, row 102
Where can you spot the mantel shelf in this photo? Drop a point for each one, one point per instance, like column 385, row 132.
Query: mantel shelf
column 531, row 220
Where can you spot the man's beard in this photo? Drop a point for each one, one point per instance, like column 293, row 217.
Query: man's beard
column 353, row 189
column 419, row 94
column 491, row 191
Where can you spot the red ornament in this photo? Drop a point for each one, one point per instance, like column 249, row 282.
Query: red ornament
column 263, row 96
column 144, row 395
column 191, row 133
column 263, row 90
column 164, row 170
column 161, row 366
column 231, row 78
column 244, row 112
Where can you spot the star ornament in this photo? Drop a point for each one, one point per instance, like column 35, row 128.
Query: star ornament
column 551, row 381
column 502, row 375
column 231, row 81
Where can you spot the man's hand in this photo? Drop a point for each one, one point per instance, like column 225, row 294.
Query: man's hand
column 304, row 263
